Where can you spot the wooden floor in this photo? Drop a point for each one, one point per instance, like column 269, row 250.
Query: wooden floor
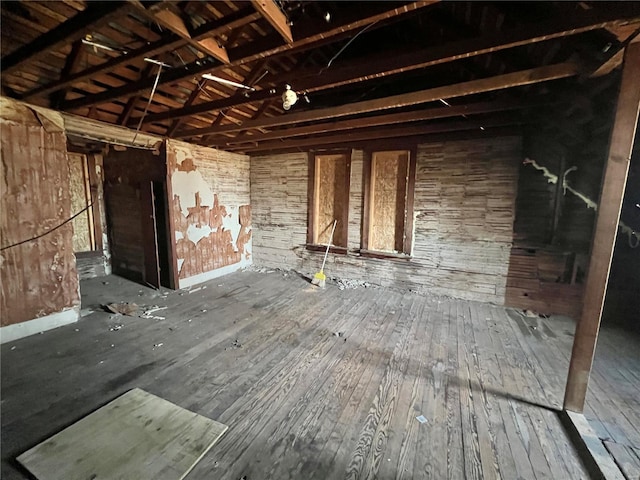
column 259, row 353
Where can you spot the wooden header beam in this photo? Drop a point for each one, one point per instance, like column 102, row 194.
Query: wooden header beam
column 613, row 186
column 524, row 77
column 272, row 13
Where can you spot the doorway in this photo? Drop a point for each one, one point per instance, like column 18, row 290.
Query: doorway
column 161, row 215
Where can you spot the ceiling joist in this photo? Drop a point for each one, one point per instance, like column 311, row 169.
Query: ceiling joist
column 86, row 22
column 379, row 120
column 256, row 53
column 509, row 80
column 173, row 22
column 272, row 13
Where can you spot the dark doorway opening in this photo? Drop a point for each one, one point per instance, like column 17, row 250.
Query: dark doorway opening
column 161, row 214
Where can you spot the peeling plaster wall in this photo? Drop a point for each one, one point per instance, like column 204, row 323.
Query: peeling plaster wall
column 464, row 210
column 210, row 206
column 39, row 278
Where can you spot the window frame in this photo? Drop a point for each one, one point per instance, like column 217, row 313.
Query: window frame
column 407, row 243
column 313, row 198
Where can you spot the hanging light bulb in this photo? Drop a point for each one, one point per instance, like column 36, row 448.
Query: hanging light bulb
column 289, row 98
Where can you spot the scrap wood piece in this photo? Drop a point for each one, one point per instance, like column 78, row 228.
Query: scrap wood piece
column 137, row 435
column 124, row 308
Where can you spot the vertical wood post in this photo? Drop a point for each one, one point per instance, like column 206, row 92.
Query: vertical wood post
column 614, row 181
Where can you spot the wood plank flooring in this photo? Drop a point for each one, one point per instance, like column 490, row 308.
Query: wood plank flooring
column 258, row 352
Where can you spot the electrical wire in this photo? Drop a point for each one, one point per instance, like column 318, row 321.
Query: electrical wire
column 48, row 231
column 144, row 114
column 347, row 44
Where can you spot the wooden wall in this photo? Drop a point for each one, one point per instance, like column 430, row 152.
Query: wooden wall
column 38, row 277
column 464, row 211
column 210, row 209
column 553, row 228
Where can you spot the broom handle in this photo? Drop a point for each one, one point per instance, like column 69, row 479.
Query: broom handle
column 326, row 253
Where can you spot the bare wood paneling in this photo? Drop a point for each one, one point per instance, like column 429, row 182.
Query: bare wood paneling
column 464, row 211
column 38, row 277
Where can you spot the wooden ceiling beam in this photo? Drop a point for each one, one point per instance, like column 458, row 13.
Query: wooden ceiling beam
column 272, row 13
column 379, row 120
column 399, row 142
column 173, row 22
column 171, row 42
column 199, row 68
column 193, row 96
column 96, row 15
column 380, row 66
column 70, row 64
column 525, row 77
column 378, row 133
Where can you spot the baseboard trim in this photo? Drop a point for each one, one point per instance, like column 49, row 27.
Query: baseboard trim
column 206, row 276
column 9, row 333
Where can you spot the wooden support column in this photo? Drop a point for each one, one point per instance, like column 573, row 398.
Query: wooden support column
column 615, row 177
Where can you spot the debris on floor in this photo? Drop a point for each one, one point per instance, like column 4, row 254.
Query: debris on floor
column 344, row 283
column 254, row 268
column 149, row 310
column 115, row 328
column 123, row 308
column 421, row 419
column 338, row 334
column 157, row 345
column 236, row 344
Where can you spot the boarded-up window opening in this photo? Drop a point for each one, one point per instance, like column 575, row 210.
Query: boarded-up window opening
column 388, row 219
column 83, row 225
column 329, row 197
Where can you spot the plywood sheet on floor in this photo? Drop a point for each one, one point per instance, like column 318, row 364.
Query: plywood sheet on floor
column 137, row 435
column 258, row 352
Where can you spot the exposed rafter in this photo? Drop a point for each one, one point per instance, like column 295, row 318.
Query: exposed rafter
column 242, row 17
column 509, row 80
column 173, row 22
column 96, row 15
column 255, row 53
column 269, row 10
column 378, row 66
column 379, row 133
column 378, row 120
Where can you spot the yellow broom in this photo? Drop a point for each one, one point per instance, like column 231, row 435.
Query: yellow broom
column 320, row 278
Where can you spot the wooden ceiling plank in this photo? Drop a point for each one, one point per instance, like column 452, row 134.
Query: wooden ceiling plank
column 96, row 15
column 166, row 44
column 524, row 77
column 195, row 69
column 394, row 63
column 272, row 13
